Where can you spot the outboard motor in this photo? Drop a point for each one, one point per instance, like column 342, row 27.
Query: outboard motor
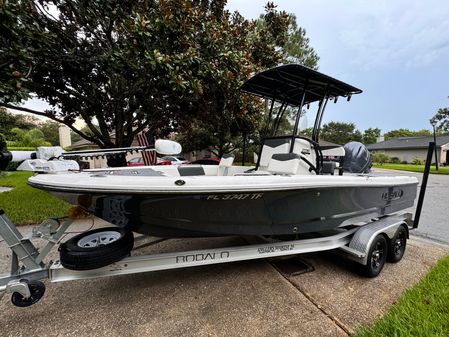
column 357, row 158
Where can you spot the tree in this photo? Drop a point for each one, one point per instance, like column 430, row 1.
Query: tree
column 340, row 133
column 370, row 135
column 442, row 117
column 2, row 142
column 51, row 132
column 8, row 121
column 132, row 64
column 406, row 133
column 29, row 138
column 380, row 157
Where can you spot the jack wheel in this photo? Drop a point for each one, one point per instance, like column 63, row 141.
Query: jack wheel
column 377, row 256
column 397, row 245
column 37, row 290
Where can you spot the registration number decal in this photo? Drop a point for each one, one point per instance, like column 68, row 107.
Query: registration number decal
column 246, row 196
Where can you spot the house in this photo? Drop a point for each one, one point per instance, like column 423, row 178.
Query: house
column 409, row 148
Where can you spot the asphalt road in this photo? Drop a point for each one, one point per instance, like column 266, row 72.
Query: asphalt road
column 434, row 223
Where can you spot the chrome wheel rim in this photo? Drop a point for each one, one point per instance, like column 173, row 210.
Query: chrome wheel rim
column 99, row 239
column 399, row 243
column 377, row 255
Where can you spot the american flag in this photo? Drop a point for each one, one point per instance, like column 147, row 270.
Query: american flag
column 145, row 138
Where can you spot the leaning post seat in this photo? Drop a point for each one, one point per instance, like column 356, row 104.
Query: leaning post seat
column 271, row 147
column 284, row 163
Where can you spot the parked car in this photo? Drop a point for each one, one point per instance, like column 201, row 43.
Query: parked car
column 206, row 161
column 138, row 161
column 175, row 160
column 161, row 161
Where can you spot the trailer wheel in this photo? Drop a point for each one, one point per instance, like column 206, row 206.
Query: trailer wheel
column 377, row 256
column 397, row 245
column 96, row 248
column 37, row 290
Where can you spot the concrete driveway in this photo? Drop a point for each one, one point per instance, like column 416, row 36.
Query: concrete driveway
column 248, row 298
column 434, row 222
column 239, row 299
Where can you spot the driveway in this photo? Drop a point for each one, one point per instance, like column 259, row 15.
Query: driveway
column 434, row 223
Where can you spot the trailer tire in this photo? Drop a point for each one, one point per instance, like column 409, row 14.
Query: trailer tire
column 397, row 245
column 377, row 256
column 96, row 248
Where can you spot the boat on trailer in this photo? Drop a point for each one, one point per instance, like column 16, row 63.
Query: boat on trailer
column 292, row 190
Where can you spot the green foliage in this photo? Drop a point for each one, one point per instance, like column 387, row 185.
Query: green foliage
column 380, row 157
column 421, row 310
column 297, row 47
column 370, row 135
column 412, row 168
column 51, row 132
column 8, row 121
column 2, row 142
column 417, row 161
column 31, row 138
column 395, row 160
column 21, row 148
column 340, row 133
column 442, row 119
column 307, row 132
column 406, row 133
column 26, row 205
column 135, row 64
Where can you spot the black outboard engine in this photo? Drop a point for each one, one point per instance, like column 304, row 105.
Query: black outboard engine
column 357, row 158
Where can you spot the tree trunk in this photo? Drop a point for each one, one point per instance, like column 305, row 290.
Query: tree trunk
column 117, row 160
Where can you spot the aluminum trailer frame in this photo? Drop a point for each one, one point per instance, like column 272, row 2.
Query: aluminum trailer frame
column 27, row 261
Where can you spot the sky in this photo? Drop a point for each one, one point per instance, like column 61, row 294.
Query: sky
column 397, row 52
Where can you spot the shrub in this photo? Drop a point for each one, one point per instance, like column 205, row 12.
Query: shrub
column 380, row 157
column 417, row 161
column 2, row 142
column 404, row 162
column 395, row 160
column 12, row 166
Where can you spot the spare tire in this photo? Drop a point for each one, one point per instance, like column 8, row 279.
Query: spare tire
column 96, row 248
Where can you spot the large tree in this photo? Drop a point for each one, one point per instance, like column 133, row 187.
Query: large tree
column 370, row 135
column 340, row 133
column 8, row 121
column 122, row 66
column 406, row 133
column 442, row 118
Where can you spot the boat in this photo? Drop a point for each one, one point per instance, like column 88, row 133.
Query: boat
column 292, row 190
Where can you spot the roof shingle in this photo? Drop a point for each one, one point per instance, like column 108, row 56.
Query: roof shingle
column 408, row 143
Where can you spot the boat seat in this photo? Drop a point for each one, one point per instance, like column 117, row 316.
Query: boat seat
column 284, row 163
column 271, row 147
column 225, row 163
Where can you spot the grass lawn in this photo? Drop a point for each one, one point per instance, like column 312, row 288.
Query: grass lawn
column 413, row 168
column 26, row 205
column 421, row 311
